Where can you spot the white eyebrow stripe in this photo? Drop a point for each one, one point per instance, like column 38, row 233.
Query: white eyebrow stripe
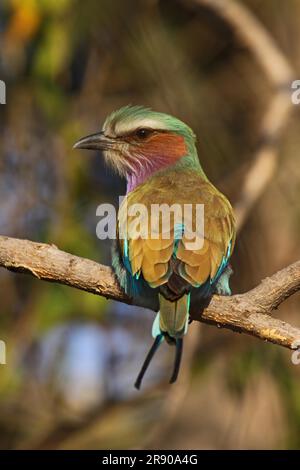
column 126, row 127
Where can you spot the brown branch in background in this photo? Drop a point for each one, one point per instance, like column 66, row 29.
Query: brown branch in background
column 253, row 34
column 265, row 161
column 248, row 313
column 280, row 75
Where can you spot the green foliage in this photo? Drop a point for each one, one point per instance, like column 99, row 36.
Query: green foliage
column 59, row 304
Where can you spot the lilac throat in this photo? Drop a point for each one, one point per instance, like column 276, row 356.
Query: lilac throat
column 136, row 178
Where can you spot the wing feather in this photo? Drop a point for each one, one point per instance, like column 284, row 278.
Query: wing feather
column 154, row 257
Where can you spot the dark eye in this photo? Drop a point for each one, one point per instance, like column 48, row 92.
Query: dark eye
column 143, row 133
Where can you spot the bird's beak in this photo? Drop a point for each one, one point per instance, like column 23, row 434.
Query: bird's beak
column 96, row 141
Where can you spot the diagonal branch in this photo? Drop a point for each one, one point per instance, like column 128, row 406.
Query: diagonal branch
column 247, row 313
column 280, row 75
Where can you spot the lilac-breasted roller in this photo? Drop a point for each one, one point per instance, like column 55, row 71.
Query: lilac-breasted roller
column 157, row 155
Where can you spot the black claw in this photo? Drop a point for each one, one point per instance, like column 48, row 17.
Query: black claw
column 178, row 354
column 147, row 361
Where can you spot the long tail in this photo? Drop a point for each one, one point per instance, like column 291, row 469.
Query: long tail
column 178, row 354
column 170, row 323
column 158, row 340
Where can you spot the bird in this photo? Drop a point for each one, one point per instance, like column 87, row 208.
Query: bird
column 156, row 153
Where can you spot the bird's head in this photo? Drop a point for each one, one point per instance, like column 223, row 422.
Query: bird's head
column 137, row 141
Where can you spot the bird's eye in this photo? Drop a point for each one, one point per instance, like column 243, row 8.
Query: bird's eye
column 143, row 133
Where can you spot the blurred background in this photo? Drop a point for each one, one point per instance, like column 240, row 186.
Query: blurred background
column 72, row 357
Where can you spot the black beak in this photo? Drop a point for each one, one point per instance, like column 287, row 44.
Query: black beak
column 96, row 141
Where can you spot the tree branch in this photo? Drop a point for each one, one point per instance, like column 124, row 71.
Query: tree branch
column 247, row 313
